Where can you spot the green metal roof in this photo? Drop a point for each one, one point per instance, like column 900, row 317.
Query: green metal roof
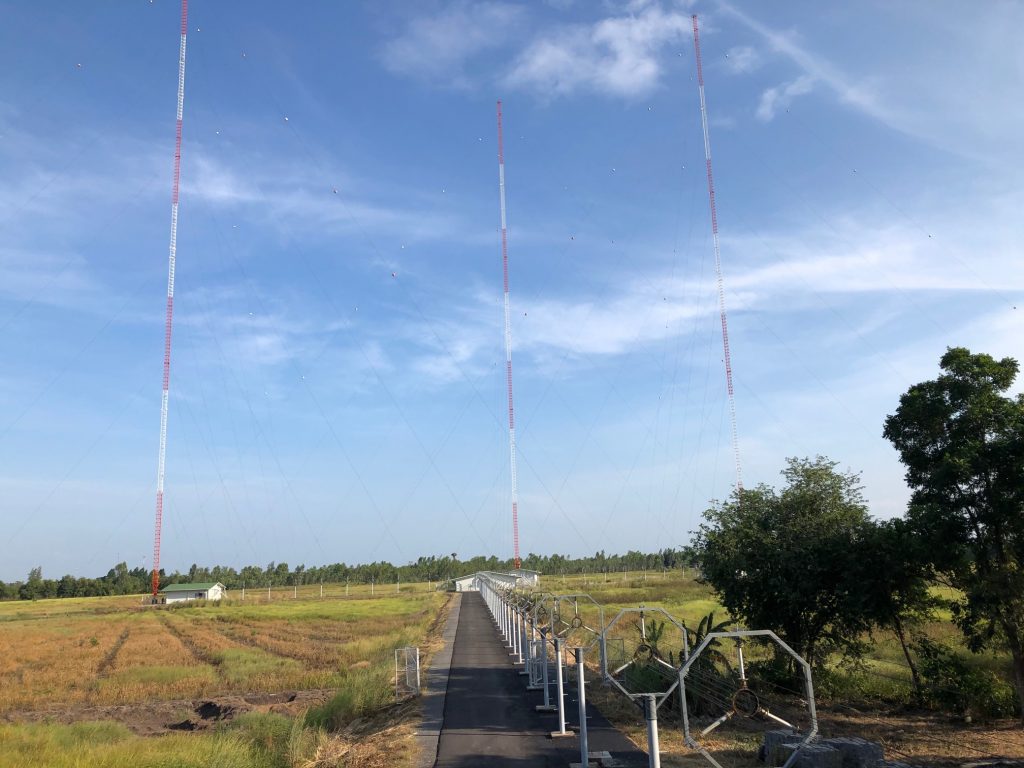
column 197, row 587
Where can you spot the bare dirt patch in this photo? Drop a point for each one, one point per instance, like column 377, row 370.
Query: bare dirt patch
column 111, row 656
column 154, row 718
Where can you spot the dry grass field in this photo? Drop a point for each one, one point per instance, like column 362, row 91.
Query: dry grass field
column 102, row 673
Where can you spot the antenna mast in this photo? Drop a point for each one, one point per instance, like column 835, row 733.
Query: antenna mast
column 508, row 348
column 718, row 257
column 172, row 253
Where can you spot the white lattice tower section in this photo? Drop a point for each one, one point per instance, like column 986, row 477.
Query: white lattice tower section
column 508, row 347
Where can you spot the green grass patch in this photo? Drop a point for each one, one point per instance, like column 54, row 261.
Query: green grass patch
column 162, row 675
column 110, row 745
column 241, row 665
column 362, row 691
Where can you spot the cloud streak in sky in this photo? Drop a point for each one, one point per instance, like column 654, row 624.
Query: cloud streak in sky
column 617, row 55
column 439, row 47
column 781, row 96
column 816, row 69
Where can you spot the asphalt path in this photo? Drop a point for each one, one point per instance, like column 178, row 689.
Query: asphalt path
column 490, row 718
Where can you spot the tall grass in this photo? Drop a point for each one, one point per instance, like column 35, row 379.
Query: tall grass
column 109, row 745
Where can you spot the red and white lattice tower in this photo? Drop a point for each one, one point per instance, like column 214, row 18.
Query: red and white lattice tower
column 718, row 257
column 172, row 253
column 508, row 347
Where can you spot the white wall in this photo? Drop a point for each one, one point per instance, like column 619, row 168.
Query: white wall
column 214, row 593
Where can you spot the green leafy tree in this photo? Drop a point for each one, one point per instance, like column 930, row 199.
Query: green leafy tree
column 962, row 442
column 894, row 579
column 783, row 560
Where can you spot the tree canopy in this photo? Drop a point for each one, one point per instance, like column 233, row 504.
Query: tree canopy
column 962, row 441
column 787, row 559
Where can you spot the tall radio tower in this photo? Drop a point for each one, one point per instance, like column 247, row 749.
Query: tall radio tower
column 508, row 347
column 718, row 258
column 172, row 253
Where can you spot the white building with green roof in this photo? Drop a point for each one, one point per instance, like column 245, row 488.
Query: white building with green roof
column 205, row 590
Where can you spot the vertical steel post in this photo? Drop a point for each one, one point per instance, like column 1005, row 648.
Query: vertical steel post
column 519, row 636
column 582, row 691
column 547, row 683
column 560, row 686
column 512, row 629
column 651, row 715
column 602, row 647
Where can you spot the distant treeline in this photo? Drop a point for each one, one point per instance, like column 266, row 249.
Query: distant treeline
column 122, row 580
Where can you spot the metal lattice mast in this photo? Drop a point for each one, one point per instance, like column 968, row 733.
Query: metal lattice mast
column 171, row 255
column 508, row 347
column 718, row 257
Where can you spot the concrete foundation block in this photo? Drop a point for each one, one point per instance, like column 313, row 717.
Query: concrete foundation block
column 769, row 752
column 813, row 755
column 856, row 752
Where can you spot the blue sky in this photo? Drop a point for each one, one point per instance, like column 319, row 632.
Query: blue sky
column 337, row 388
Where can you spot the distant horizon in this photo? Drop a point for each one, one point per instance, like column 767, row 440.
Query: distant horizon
column 570, row 561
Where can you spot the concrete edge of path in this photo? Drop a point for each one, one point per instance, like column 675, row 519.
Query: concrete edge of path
column 432, row 718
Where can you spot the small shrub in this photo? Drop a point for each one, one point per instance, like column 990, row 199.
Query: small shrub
column 362, row 691
column 266, row 732
column 952, row 684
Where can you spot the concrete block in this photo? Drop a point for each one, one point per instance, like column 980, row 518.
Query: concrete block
column 772, row 741
column 856, row 752
column 813, row 755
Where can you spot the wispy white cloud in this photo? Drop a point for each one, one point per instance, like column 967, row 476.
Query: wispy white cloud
column 617, row 55
column 438, row 48
column 47, row 278
column 294, row 193
column 782, row 271
column 741, row 59
column 781, row 96
column 816, row 68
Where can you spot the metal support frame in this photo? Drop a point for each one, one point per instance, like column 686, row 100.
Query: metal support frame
column 738, row 706
column 647, row 700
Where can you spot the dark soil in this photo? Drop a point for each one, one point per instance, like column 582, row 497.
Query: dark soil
column 154, row 718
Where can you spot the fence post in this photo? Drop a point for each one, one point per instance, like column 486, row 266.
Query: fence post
column 560, row 691
column 546, row 706
column 602, row 649
column 581, row 688
column 651, row 715
column 519, row 636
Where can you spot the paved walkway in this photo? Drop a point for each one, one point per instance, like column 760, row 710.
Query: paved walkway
column 489, row 716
